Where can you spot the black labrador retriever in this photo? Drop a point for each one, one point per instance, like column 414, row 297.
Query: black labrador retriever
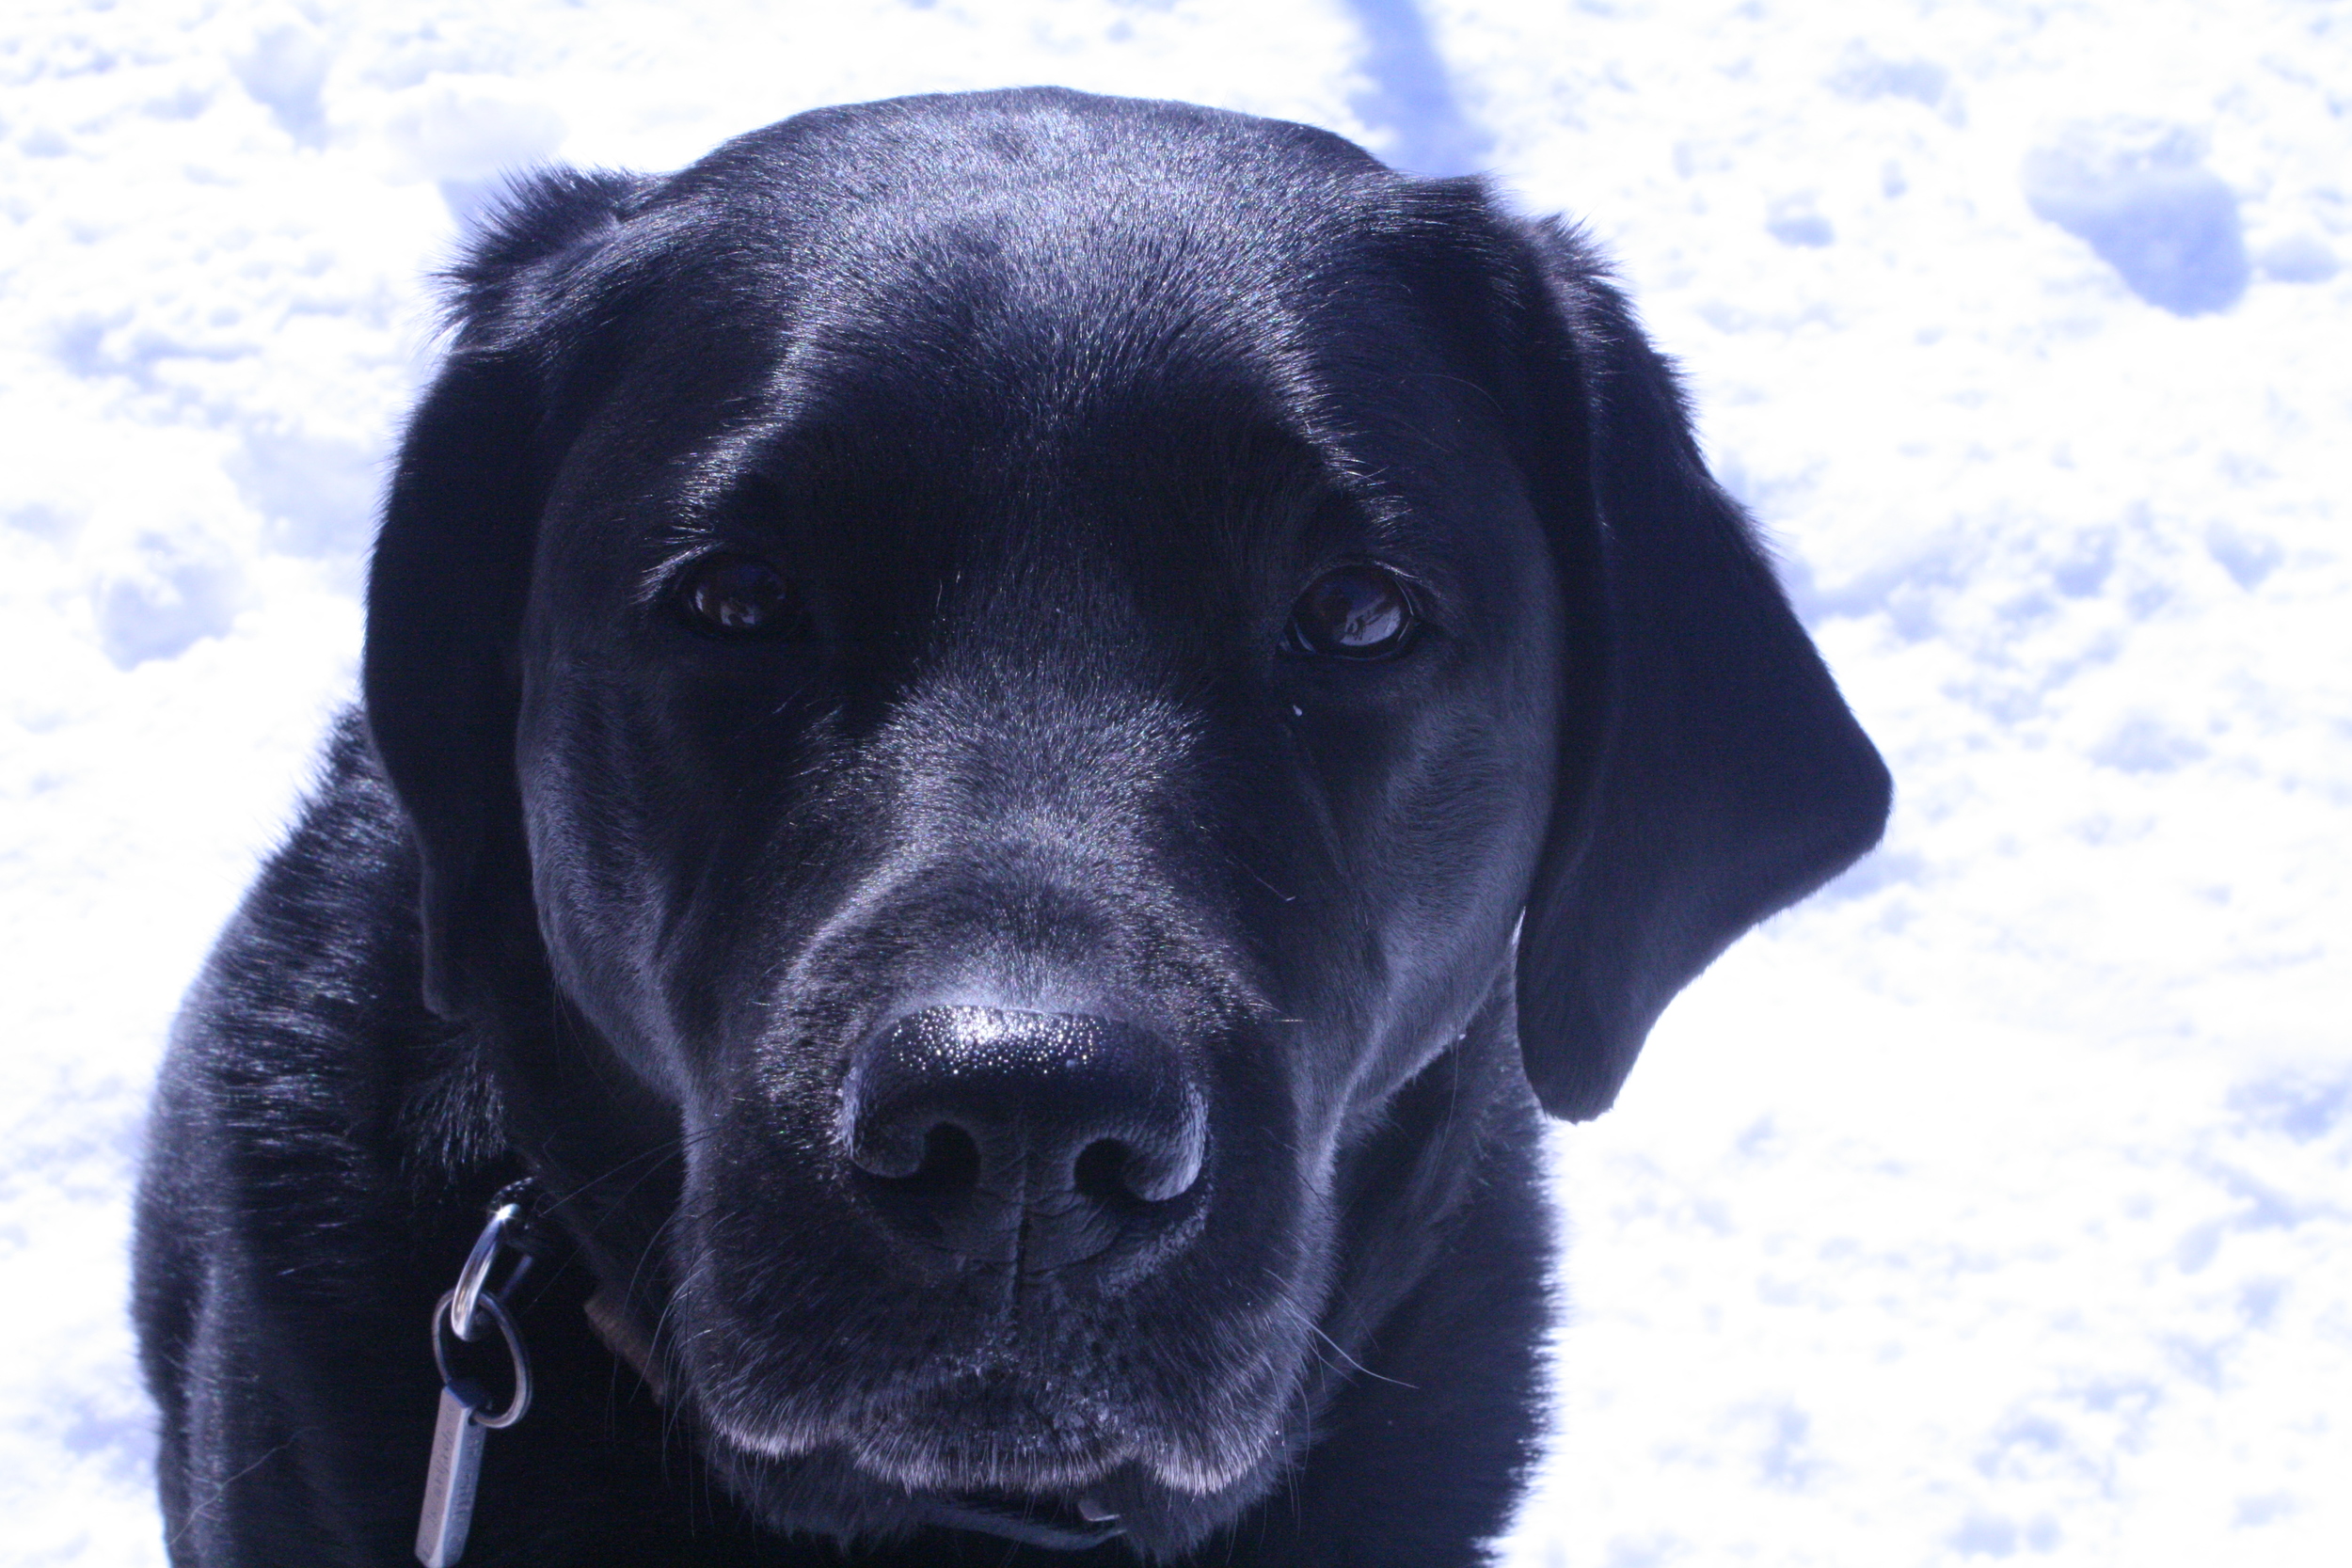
column 991, row 725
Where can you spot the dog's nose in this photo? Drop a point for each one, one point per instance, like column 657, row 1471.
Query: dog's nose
column 1036, row 1137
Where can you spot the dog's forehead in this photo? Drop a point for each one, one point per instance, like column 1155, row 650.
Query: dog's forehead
column 913, row 162
column 1027, row 262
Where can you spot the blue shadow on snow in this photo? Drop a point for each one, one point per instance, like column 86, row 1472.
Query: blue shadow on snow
column 1410, row 96
column 2146, row 205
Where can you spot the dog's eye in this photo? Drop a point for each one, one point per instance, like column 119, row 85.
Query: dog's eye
column 739, row 595
column 1352, row 612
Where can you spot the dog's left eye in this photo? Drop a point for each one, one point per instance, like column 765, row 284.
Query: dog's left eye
column 1353, row 613
column 738, row 595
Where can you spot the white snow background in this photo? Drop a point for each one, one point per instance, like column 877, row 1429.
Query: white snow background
column 1995, row 1204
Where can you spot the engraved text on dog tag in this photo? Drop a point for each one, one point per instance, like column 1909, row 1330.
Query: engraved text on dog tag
column 449, row 1485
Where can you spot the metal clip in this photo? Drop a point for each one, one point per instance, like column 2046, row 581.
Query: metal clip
column 466, row 1413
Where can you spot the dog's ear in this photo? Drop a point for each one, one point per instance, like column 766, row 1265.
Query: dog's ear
column 453, row 564
column 1728, row 779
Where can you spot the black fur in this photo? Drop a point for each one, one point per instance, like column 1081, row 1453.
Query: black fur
column 1049, row 406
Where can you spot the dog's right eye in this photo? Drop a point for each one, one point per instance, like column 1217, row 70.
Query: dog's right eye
column 737, row 595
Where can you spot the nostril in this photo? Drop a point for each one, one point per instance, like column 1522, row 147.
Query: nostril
column 951, row 1162
column 941, row 1157
column 1111, row 1170
column 1102, row 1171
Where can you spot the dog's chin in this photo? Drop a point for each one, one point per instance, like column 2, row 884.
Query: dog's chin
column 936, row 1443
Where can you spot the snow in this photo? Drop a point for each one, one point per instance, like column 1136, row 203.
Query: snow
column 2141, row 196
column 1995, row 1204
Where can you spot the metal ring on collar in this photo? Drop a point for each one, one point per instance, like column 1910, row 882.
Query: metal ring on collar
column 444, row 1313
column 476, row 1273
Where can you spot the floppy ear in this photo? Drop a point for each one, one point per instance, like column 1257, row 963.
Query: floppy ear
column 1729, row 780
column 451, row 566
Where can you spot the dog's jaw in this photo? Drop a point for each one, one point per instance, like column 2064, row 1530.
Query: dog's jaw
column 1174, row 1456
column 1010, row 1433
column 1163, row 1488
column 1180, row 1463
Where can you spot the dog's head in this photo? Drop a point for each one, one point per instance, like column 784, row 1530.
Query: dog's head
column 1010, row 668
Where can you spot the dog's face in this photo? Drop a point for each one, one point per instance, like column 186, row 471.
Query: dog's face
column 1010, row 642
column 1041, row 653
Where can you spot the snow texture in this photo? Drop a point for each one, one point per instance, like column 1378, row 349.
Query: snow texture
column 1996, row 1204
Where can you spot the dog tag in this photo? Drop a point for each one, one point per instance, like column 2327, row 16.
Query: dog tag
column 448, row 1483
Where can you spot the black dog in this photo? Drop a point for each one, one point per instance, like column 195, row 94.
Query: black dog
column 989, row 723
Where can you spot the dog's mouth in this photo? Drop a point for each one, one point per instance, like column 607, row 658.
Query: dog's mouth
column 848, row 1371
column 1009, row 1449
column 1064, row 1462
